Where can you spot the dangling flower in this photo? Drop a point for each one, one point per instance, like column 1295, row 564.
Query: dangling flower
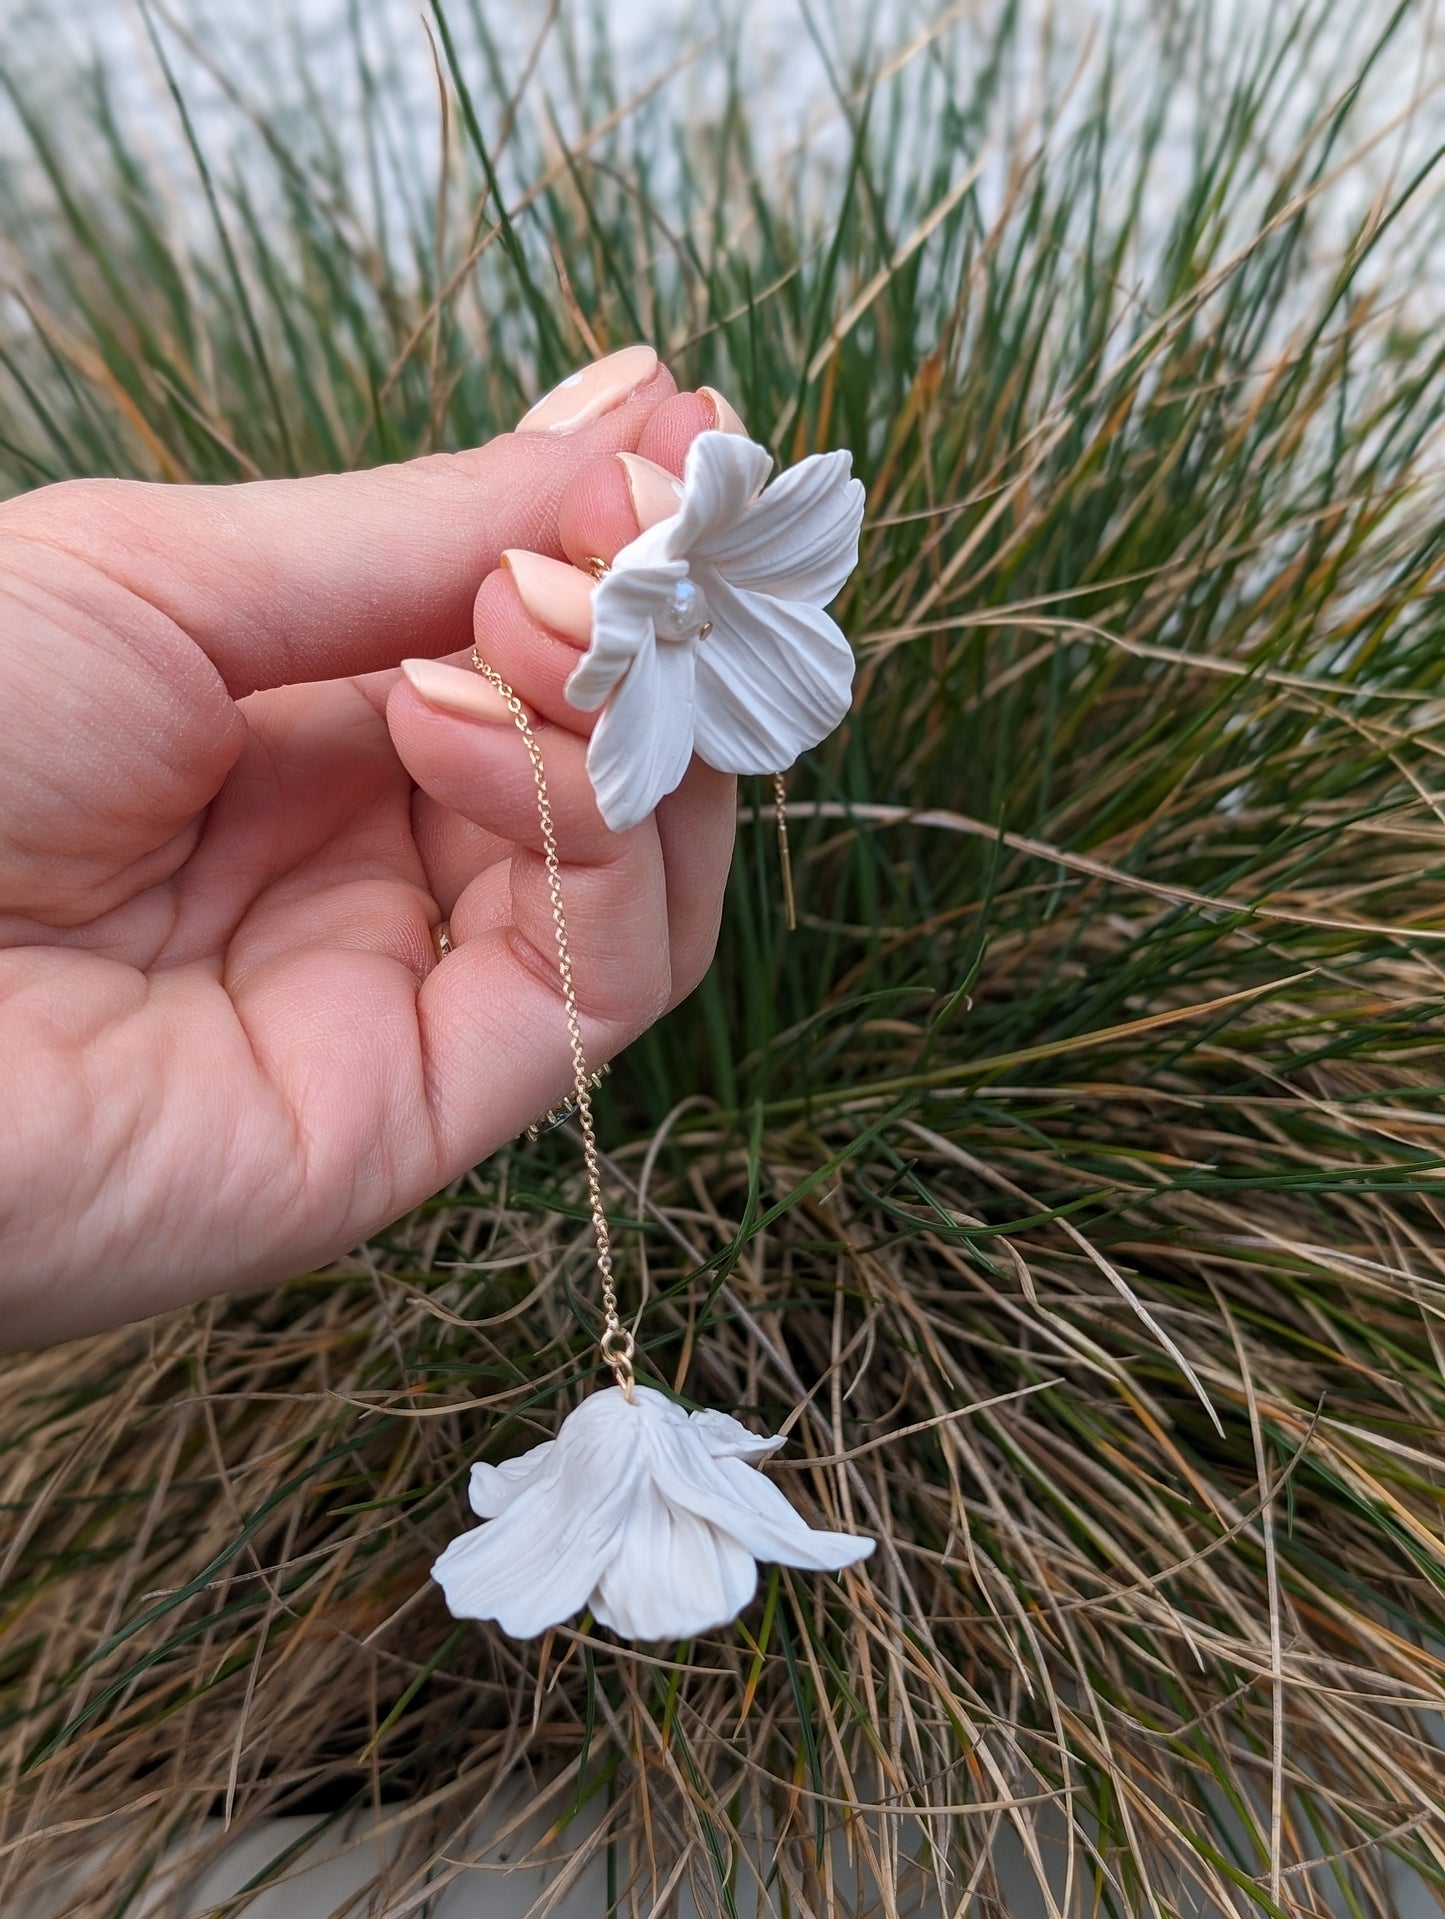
column 708, row 631
column 652, row 1517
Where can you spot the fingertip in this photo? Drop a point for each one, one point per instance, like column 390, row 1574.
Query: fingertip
column 726, row 418
column 608, row 503
column 656, row 494
column 544, row 466
column 595, row 389
column 596, row 517
column 558, row 597
column 637, row 412
column 446, row 688
column 671, row 429
column 481, row 768
column 536, row 651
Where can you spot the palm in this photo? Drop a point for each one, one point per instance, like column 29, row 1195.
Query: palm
column 249, row 983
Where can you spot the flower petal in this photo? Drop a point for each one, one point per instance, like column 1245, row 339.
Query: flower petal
column 641, row 746
column 538, row 1562
column 675, row 1575
column 623, row 605
column 659, row 1405
column 736, row 1499
column 728, row 1438
column 814, row 1547
column 799, row 539
column 773, row 678
column 723, row 475
column 493, row 1488
column 595, row 1419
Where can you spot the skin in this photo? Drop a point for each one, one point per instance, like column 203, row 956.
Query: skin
column 228, row 830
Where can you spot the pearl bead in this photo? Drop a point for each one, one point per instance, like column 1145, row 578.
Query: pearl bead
column 684, row 616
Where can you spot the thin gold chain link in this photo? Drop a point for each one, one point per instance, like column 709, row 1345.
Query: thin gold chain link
column 616, row 1342
column 785, row 857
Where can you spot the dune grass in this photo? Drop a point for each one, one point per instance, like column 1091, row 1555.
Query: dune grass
column 1069, row 1184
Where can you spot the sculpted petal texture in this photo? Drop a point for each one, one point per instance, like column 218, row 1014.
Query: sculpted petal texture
column 779, row 680
column 799, row 541
column 653, row 1518
column 708, row 632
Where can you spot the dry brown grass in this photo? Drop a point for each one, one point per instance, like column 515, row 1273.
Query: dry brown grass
column 1068, row 1188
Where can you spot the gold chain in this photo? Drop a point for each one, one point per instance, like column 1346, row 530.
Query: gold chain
column 616, row 1342
column 785, row 857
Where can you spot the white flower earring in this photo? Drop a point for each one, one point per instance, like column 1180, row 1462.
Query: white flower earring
column 708, row 630
column 652, row 1518
column 708, row 636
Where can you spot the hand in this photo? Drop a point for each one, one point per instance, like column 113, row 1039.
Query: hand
column 229, row 829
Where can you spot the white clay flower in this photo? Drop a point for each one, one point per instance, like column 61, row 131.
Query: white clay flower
column 708, row 632
column 652, row 1517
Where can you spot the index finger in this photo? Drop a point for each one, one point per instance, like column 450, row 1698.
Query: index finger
column 279, row 581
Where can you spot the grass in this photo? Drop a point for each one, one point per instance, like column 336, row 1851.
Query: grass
column 1070, row 1183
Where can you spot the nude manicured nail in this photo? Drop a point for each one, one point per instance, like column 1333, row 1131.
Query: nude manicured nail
column 556, row 595
column 457, row 689
column 726, row 417
column 594, row 390
column 656, row 495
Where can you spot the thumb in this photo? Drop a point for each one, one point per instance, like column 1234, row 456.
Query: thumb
column 286, row 580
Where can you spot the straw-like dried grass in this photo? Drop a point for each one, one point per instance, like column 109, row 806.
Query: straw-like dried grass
column 1069, row 1186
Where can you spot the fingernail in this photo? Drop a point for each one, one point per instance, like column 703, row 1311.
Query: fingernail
column 594, row 390
column 726, row 418
column 555, row 595
column 456, row 689
column 656, row 495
